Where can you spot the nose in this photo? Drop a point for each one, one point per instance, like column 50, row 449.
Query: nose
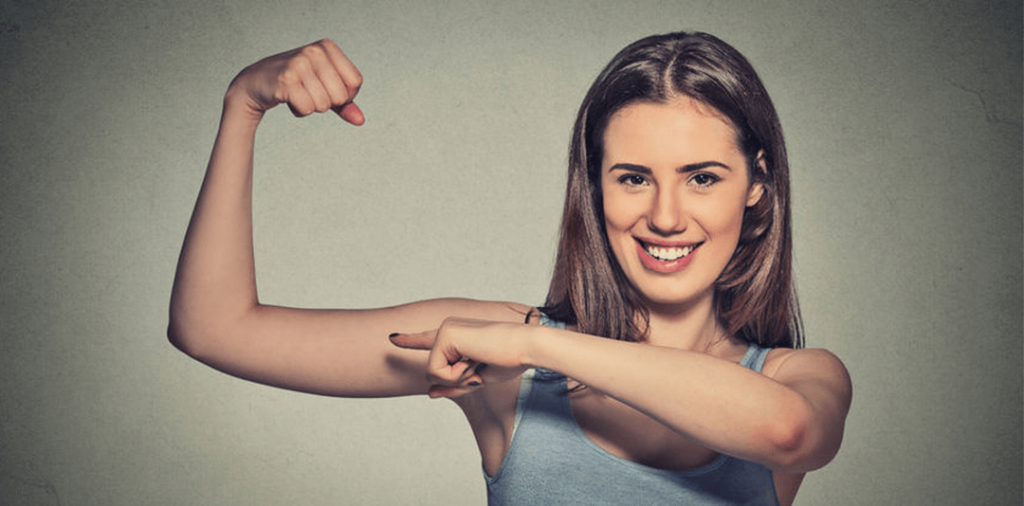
column 667, row 215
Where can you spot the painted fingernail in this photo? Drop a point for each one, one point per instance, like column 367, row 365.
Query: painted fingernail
column 393, row 335
column 473, row 383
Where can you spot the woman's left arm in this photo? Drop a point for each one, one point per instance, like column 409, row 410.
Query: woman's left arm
column 789, row 419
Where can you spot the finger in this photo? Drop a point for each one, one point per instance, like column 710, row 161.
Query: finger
column 472, row 380
column 350, row 78
column 315, row 88
column 294, row 88
column 441, row 371
column 453, row 373
column 350, row 75
column 300, row 103
column 417, row 341
column 351, row 113
column 328, row 76
column 471, row 372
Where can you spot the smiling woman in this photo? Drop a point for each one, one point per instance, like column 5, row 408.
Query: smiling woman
column 663, row 367
column 675, row 186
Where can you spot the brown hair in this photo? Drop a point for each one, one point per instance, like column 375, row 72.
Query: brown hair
column 755, row 298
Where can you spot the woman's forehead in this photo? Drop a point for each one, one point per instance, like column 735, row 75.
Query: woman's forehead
column 679, row 128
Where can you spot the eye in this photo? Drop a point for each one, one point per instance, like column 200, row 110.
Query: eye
column 704, row 179
column 632, row 180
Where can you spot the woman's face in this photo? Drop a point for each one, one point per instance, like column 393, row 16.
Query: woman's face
column 675, row 185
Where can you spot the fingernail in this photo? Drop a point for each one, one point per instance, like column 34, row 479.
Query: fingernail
column 473, row 383
column 393, row 335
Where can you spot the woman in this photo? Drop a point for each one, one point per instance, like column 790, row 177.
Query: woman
column 664, row 366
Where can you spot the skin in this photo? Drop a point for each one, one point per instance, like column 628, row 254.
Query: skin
column 789, row 418
column 672, row 175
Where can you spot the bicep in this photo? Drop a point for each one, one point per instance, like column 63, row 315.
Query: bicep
column 336, row 352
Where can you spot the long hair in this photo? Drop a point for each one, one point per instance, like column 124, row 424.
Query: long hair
column 755, row 299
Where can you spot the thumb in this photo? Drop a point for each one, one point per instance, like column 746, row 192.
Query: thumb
column 351, row 113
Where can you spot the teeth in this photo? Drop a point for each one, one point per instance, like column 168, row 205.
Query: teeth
column 667, row 254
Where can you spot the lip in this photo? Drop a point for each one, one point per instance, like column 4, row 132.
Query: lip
column 662, row 266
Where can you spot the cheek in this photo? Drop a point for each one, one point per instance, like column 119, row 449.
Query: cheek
column 725, row 218
column 618, row 214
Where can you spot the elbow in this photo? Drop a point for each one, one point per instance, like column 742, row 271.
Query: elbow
column 187, row 334
column 181, row 338
column 795, row 445
column 179, row 332
column 195, row 327
column 176, row 336
column 207, row 336
column 785, row 442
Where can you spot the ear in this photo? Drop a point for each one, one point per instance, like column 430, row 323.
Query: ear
column 754, row 194
column 756, row 187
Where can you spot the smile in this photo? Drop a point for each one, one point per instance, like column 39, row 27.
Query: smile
column 668, row 254
column 666, row 259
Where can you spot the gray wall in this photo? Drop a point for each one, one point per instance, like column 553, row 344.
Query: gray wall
column 904, row 125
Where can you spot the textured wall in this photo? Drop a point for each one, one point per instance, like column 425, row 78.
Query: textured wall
column 904, row 126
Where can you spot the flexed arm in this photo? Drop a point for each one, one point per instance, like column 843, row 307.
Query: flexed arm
column 789, row 419
column 215, row 313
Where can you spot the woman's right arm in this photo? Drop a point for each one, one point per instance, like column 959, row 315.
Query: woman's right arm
column 215, row 313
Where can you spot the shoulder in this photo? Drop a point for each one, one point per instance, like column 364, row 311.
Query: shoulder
column 788, row 361
column 815, row 365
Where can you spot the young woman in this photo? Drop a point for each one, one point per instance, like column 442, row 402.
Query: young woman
column 665, row 365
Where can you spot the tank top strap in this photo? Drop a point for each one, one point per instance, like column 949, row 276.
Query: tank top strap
column 548, row 322
column 526, row 381
column 753, row 359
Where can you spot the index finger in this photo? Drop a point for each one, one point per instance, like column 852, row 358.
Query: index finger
column 417, row 341
column 349, row 73
column 350, row 77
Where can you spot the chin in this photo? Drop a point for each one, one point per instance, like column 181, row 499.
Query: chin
column 673, row 299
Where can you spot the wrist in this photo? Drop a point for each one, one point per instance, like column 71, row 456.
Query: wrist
column 238, row 105
column 537, row 341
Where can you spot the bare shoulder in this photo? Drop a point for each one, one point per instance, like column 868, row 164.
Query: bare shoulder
column 809, row 365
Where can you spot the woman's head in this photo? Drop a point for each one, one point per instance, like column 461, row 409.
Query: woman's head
column 754, row 297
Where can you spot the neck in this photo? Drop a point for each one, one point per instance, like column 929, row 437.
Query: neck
column 693, row 327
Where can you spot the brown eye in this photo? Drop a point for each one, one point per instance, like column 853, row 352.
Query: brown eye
column 704, row 179
column 632, row 180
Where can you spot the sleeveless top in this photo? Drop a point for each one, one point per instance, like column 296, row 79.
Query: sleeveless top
column 552, row 461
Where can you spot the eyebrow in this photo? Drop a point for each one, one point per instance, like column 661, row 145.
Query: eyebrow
column 685, row 168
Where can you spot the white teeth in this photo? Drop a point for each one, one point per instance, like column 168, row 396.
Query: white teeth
column 667, row 254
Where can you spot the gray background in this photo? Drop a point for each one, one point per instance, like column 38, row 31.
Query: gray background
column 904, row 125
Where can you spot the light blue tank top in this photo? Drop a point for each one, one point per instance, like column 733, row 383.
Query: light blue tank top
column 552, row 462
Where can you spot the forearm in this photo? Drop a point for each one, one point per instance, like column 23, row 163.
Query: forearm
column 719, row 404
column 215, row 280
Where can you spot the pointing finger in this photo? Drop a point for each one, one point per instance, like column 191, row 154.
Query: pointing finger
column 417, row 341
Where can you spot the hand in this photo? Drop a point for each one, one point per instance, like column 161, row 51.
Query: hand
column 313, row 78
column 466, row 354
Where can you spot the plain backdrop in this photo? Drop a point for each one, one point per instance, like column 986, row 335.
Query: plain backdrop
column 904, row 125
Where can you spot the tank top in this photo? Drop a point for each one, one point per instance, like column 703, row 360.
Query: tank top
column 552, row 461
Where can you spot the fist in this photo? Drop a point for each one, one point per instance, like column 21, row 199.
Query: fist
column 313, row 78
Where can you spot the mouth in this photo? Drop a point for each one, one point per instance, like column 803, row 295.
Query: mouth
column 666, row 258
column 668, row 253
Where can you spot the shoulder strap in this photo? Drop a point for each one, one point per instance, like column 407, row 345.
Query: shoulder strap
column 526, row 380
column 754, row 358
